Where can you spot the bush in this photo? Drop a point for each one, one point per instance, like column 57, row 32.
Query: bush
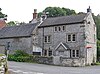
column 20, row 53
column 19, row 58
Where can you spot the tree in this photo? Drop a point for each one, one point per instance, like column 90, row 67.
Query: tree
column 57, row 11
column 69, row 11
column 54, row 11
column 97, row 22
column 98, row 49
column 2, row 15
column 11, row 23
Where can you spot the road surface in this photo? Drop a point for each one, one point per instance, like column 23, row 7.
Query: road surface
column 32, row 68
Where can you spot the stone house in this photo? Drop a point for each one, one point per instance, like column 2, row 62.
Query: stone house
column 71, row 40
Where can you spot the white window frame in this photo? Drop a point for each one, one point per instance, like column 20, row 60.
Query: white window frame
column 63, row 28
column 75, row 54
column 55, row 29
column 59, row 28
column 47, row 40
column 71, row 37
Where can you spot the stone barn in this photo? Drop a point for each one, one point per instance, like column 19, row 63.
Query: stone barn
column 22, row 37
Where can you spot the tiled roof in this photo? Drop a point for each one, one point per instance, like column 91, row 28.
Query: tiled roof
column 63, row 20
column 17, row 31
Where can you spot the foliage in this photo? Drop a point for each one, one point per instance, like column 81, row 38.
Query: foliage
column 97, row 22
column 12, row 23
column 2, row 15
column 69, row 11
column 98, row 49
column 57, row 11
column 18, row 59
column 30, row 58
column 20, row 53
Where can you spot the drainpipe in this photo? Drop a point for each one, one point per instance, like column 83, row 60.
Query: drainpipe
column 43, row 42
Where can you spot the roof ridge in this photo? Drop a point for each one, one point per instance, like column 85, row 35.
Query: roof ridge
column 69, row 15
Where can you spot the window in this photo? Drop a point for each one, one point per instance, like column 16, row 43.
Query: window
column 50, row 52
column 59, row 28
column 63, row 28
column 71, row 38
column 47, row 39
column 75, row 53
column 55, row 28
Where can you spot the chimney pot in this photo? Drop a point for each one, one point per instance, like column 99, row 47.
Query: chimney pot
column 89, row 9
column 35, row 14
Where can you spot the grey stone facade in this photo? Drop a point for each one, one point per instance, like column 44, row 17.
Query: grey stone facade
column 18, row 44
column 83, row 48
column 21, row 37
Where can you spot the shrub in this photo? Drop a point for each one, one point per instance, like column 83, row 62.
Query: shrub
column 20, row 53
column 19, row 58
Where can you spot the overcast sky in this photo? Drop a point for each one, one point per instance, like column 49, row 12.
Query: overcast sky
column 21, row 10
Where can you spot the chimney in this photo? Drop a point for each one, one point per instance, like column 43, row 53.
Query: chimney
column 88, row 9
column 35, row 15
column 44, row 15
column 2, row 23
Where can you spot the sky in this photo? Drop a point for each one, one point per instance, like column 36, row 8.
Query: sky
column 21, row 10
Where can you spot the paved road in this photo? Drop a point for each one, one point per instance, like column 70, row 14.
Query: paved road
column 31, row 68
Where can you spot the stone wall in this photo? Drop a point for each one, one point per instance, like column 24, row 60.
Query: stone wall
column 57, row 37
column 3, row 64
column 24, row 43
column 72, row 61
column 2, row 49
column 43, row 60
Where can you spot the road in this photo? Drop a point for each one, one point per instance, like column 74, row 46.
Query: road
column 32, row 68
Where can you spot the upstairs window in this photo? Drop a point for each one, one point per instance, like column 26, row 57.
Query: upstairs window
column 59, row 28
column 55, row 28
column 63, row 28
column 71, row 38
column 47, row 39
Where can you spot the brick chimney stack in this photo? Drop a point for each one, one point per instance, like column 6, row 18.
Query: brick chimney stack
column 2, row 23
column 35, row 15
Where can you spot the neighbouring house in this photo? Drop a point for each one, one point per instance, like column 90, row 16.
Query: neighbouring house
column 22, row 37
column 71, row 40
column 2, row 23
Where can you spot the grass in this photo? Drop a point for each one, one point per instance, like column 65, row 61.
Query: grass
column 97, row 63
column 2, row 54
